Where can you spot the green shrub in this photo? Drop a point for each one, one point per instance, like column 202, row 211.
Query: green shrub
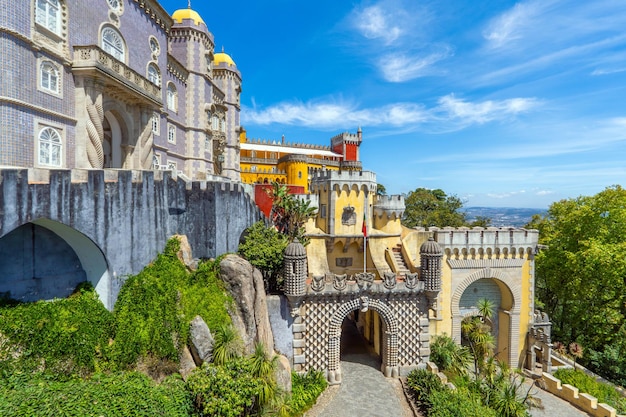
column 305, row 389
column 63, row 337
column 449, row 356
column 204, row 295
column 225, row 391
column 147, row 320
column 457, row 403
column 422, row 384
column 586, row 384
column 117, row 395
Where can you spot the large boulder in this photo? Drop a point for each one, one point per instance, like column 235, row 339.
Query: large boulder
column 186, row 363
column 250, row 318
column 200, row 341
column 282, row 373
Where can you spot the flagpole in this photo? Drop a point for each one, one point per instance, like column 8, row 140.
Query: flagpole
column 365, row 234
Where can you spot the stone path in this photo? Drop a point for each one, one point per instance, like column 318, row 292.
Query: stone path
column 364, row 391
column 552, row 405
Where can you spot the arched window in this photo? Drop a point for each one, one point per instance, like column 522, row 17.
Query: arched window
column 50, row 147
column 49, row 77
column 48, row 15
column 153, row 74
column 113, row 44
column 172, row 97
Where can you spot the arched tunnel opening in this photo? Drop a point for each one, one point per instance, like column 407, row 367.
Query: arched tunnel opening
column 44, row 259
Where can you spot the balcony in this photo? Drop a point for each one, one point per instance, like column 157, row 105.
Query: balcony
column 116, row 76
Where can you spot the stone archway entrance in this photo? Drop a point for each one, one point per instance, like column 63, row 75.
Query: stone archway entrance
column 51, row 259
column 506, row 297
column 389, row 348
column 112, row 143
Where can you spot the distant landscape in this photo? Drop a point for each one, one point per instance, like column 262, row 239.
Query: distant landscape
column 503, row 216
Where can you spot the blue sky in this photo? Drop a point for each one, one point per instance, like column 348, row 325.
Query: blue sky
column 510, row 104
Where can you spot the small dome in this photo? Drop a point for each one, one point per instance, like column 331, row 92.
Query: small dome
column 180, row 15
column 295, row 249
column 223, row 57
column 430, row 247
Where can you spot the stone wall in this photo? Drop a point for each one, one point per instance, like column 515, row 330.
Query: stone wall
column 117, row 221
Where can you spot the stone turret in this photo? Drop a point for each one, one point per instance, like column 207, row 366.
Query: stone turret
column 295, row 274
column 430, row 269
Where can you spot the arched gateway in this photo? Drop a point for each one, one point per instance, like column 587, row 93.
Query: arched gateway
column 320, row 305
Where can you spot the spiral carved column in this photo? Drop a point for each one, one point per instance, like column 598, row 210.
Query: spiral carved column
column 146, row 139
column 95, row 130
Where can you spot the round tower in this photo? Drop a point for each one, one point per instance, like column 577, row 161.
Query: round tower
column 295, row 274
column 228, row 78
column 297, row 170
column 430, row 269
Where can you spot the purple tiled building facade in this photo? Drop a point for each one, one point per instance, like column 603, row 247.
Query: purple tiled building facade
column 95, row 84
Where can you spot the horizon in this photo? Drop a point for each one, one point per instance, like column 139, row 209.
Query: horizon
column 506, row 104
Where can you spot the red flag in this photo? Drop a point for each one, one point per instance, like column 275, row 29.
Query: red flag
column 364, row 228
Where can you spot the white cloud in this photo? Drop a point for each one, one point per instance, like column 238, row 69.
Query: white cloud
column 485, row 111
column 332, row 115
column 511, row 25
column 396, row 115
column 401, row 67
column 375, row 23
column 544, row 192
column 607, row 71
column 506, row 194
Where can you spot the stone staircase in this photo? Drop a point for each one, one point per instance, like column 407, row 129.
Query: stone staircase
column 403, row 269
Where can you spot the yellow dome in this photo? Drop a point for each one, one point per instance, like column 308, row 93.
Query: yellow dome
column 223, row 57
column 180, row 15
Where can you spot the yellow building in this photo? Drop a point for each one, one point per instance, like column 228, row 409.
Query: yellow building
column 402, row 286
column 265, row 161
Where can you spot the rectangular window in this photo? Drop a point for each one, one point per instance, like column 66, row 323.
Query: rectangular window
column 155, row 123
column 171, row 134
column 323, row 211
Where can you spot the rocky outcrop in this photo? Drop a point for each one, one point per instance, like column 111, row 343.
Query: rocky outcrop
column 282, row 373
column 184, row 252
column 187, row 364
column 200, row 341
column 250, row 318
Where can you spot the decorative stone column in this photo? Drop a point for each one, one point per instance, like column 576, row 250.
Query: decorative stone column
column 146, row 138
column 94, row 124
column 430, row 269
column 295, row 274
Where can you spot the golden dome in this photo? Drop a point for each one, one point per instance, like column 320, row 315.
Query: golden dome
column 223, row 57
column 181, row 14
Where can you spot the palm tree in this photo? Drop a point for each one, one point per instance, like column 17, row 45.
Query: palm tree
column 478, row 336
column 289, row 213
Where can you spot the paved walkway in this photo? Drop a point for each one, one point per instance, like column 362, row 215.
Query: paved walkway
column 364, row 391
column 552, row 406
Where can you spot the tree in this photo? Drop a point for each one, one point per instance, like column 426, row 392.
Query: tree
column 581, row 270
column 289, row 213
column 481, row 221
column 425, row 208
column 264, row 248
column 380, row 189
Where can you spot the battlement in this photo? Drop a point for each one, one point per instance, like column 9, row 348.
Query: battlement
column 288, row 144
column 491, row 239
column 77, row 176
column 390, row 204
column 345, row 176
column 313, row 199
column 345, row 137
